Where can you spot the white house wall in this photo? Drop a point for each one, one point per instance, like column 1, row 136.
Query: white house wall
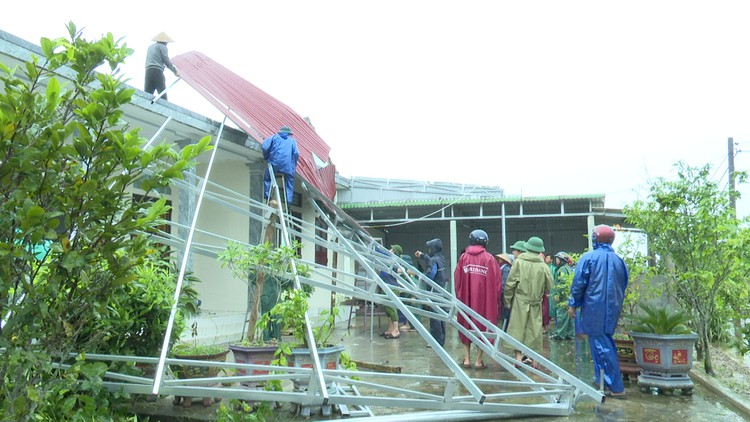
column 219, row 291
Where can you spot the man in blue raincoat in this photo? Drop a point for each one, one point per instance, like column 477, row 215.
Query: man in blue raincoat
column 280, row 149
column 598, row 288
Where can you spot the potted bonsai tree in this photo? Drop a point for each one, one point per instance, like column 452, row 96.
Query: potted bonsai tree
column 267, row 270
column 290, row 312
column 664, row 348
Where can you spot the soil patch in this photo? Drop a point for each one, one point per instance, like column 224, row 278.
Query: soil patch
column 731, row 370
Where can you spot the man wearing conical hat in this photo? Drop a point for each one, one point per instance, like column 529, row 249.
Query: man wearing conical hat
column 157, row 58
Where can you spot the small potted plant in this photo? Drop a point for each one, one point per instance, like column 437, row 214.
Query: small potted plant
column 290, row 311
column 664, row 348
column 268, row 271
column 197, row 351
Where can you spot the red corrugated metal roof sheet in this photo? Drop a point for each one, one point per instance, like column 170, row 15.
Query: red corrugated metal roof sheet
column 258, row 114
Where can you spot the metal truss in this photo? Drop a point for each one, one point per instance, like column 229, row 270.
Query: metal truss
column 549, row 390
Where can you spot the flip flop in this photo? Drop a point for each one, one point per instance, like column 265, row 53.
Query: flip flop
column 391, row 337
column 482, row 366
column 619, row 396
column 465, row 365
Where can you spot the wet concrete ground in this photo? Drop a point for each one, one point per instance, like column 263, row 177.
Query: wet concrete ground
column 411, row 354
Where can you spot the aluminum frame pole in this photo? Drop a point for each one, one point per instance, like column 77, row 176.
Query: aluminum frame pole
column 467, row 382
column 317, row 369
column 183, row 266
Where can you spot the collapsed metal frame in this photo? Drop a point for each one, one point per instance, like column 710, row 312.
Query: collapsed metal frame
column 556, row 394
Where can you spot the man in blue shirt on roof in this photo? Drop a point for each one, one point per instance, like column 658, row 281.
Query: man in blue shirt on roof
column 280, row 149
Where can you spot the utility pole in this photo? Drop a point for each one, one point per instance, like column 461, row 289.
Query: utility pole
column 730, row 160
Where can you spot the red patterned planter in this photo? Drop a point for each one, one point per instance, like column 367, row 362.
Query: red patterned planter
column 329, row 359
column 256, row 355
column 665, row 359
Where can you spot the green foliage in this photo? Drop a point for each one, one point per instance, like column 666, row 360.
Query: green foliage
column 660, row 320
column 72, row 394
column 240, row 411
column 188, row 349
column 138, row 313
column 346, row 362
column 247, row 260
column 700, row 248
column 563, row 281
column 641, row 287
column 257, row 264
column 291, row 310
column 69, row 163
column 744, row 344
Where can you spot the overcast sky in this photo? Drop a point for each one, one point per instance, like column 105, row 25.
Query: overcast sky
column 536, row 97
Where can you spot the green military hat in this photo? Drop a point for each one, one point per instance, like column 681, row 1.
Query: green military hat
column 534, row 244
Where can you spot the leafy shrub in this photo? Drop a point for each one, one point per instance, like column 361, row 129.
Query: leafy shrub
column 71, row 232
column 660, row 320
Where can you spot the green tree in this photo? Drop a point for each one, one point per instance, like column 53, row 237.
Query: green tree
column 701, row 249
column 71, row 231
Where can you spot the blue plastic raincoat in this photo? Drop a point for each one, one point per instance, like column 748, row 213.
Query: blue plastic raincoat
column 599, row 289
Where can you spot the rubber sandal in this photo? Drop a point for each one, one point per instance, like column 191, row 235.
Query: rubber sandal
column 619, row 396
column 482, row 366
column 391, row 337
column 465, row 365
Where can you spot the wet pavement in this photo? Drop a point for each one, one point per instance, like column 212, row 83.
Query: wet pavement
column 413, row 356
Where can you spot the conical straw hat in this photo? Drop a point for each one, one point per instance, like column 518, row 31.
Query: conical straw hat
column 162, row 37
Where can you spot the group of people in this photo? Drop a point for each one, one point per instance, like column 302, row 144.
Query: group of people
column 520, row 290
column 515, row 289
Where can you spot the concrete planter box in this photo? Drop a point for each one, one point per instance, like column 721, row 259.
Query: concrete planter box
column 256, row 355
column 329, row 359
column 665, row 360
column 188, row 372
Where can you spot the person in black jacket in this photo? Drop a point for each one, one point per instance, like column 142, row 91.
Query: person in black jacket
column 434, row 265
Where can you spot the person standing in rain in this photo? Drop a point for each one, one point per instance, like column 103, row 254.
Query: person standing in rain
column 157, row 58
column 518, row 248
column 434, row 269
column 505, row 261
column 280, row 149
column 478, row 285
column 599, row 284
column 564, row 325
column 528, row 281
